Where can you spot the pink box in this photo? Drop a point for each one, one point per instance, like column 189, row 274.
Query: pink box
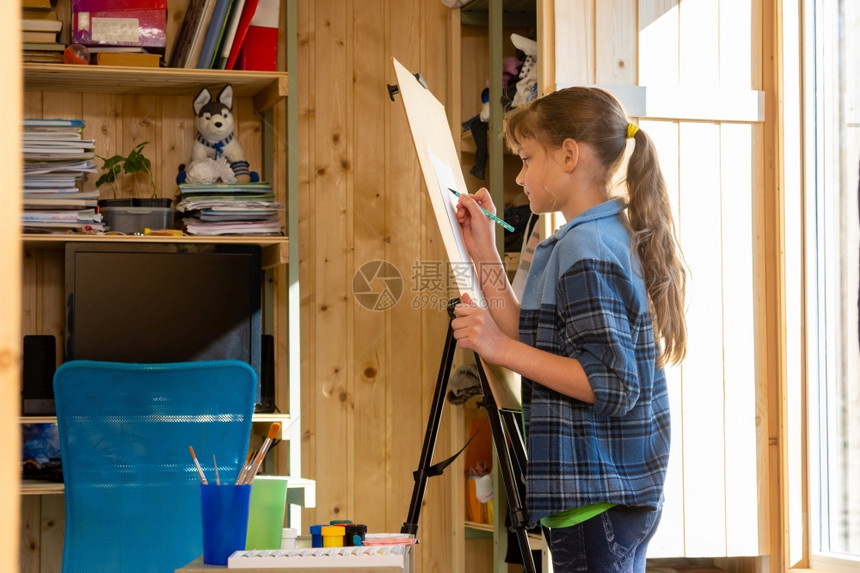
column 120, row 23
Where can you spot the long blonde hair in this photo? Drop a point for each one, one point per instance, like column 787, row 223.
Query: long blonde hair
column 594, row 117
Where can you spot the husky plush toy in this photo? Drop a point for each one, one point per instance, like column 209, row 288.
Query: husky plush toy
column 215, row 142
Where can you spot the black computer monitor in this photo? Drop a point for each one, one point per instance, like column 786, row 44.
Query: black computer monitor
column 163, row 302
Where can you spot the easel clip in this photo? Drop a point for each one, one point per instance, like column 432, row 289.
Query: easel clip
column 394, row 89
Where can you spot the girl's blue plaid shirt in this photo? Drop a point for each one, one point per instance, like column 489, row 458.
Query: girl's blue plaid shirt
column 585, row 299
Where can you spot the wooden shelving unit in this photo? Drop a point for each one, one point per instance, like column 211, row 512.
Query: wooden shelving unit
column 123, row 106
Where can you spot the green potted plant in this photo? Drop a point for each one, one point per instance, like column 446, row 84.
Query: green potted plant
column 135, row 163
column 133, row 214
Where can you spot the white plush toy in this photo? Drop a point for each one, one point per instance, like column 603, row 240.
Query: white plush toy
column 527, row 85
column 210, row 171
column 215, row 138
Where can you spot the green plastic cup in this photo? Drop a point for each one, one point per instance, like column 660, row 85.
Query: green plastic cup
column 266, row 512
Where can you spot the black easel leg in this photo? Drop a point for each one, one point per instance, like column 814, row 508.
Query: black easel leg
column 518, row 449
column 503, row 441
column 506, row 436
column 425, row 470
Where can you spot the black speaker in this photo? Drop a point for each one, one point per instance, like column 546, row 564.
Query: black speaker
column 267, row 375
column 37, row 388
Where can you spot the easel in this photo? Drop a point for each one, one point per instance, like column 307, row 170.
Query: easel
column 506, row 438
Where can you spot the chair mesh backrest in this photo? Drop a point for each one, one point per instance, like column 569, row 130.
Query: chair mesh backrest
column 132, row 492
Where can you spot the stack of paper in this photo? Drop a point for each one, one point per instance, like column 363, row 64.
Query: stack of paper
column 230, row 209
column 56, row 162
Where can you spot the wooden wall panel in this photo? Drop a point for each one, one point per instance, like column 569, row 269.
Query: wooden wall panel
column 437, row 530
column 101, row 118
column 669, row 540
column 12, row 103
column 406, row 406
column 736, row 38
column 306, row 47
column 248, row 129
column 700, row 42
column 615, row 52
column 52, row 528
column 43, row 294
column 175, row 147
column 369, row 374
column 43, row 525
column 369, row 229
column 330, row 246
column 702, row 411
column 739, row 371
column 658, row 42
column 30, row 535
column 574, row 51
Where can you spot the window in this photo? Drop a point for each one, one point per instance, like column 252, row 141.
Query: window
column 833, row 258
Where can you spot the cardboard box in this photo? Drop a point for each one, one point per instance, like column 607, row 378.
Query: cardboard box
column 140, row 23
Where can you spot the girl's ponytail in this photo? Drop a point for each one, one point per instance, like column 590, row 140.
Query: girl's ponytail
column 653, row 239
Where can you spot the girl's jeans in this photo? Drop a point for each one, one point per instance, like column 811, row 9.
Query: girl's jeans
column 614, row 541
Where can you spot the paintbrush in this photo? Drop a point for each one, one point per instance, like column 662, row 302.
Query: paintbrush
column 197, row 465
column 258, row 460
column 243, row 471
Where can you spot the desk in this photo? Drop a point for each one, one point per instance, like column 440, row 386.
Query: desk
column 197, row 566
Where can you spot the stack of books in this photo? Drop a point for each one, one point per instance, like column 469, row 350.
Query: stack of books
column 56, row 162
column 229, row 209
column 228, row 34
column 39, row 31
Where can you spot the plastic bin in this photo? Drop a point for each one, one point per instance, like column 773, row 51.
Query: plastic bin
column 131, row 220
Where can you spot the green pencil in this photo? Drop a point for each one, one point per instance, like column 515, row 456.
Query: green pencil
column 488, row 214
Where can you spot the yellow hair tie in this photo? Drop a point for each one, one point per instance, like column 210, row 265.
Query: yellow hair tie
column 632, row 128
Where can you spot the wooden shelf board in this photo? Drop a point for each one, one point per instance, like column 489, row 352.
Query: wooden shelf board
column 36, row 240
column 265, row 87
column 262, row 422
column 38, row 419
column 36, row 487
column 276, row 249
column 514, row 12
column 467, row 142
column 479, row 526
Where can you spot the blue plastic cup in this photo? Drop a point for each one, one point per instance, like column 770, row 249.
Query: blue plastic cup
column 225, row 520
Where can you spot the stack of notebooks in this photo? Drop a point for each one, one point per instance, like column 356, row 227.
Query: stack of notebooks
column 229, row 209
column 228, row 34
column 39, row 33
column 56, row 162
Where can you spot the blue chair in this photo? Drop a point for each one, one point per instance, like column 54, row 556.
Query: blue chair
column 132, row 491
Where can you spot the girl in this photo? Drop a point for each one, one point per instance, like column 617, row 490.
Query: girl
column 601, row 313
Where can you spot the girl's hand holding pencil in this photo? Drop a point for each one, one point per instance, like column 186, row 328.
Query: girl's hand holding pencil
column 474, row 212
